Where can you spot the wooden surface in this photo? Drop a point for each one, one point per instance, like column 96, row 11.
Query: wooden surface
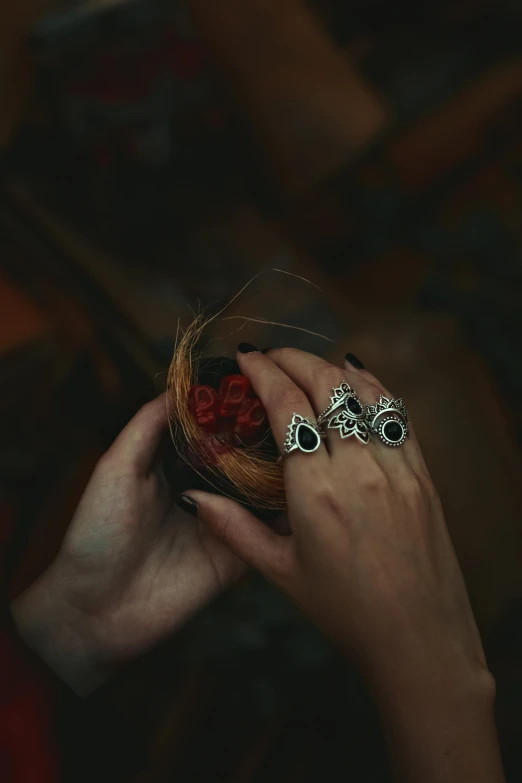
column 306, row 105
column 16, row 70
column 20, row 321
column 458, row 130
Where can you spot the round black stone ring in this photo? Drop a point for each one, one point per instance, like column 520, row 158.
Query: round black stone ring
column 303, row 435
column 388, row 420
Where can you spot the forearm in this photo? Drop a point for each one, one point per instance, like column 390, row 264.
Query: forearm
column 444, row 732
column 53, row 631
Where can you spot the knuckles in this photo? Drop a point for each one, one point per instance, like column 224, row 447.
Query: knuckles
column 427, row 489
column 330, row 503
column 110, row 467
column 370, row 481
column 282, row 566
column 373, row 479
column 105, row 463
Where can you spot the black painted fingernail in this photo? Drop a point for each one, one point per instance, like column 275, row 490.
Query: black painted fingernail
column 354, row 361
column 265, row 350
column 188, row 505
column 247, row 348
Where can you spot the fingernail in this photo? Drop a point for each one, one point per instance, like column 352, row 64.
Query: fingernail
column 247, row 348
column 265, row 350
column 354, row 361
column 188, row 505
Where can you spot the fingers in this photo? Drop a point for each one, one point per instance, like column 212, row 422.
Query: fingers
column 249, row 538
column 281, row 398
column 317, row 377
column 411, row 448
column 137, row 445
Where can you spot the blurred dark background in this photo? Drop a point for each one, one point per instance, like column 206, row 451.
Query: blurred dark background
column 159, row 153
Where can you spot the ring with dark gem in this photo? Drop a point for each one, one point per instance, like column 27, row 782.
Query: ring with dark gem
column 303, row 435
column 351, row 419
column 349, row 426
column 388, row 420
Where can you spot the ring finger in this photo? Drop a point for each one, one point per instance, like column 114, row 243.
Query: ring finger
column 317, row 378
column 411, row 447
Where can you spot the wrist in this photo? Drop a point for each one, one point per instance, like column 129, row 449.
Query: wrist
column 434, row 676
column 58, row 634
column 434, row 695
column 442, row 728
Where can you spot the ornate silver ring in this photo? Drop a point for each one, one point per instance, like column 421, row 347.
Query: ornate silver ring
column 303, row 435
column 346, row 413
column 388, row 420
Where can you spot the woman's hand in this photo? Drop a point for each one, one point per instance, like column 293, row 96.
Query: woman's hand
column 132, row 568
column 370, row 561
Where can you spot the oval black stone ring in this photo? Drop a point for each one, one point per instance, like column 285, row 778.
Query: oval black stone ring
column 388, row 420
column 303, row 435
column 346, row 413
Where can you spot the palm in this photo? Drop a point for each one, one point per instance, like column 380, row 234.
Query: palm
column 185, row 568
column 132, row 568
column 147, row 568
column 135, row 566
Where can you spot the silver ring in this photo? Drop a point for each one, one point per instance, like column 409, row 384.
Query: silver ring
column 388, row 420
column 351, row 420
column 303, row 435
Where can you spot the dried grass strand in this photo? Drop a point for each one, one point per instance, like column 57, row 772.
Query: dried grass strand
column 247, row 474
column 253, row 477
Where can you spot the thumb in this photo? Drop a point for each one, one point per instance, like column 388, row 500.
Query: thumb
column 249, row 538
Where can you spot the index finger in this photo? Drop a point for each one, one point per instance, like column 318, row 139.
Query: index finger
column 281, row 398
column 137, row 445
